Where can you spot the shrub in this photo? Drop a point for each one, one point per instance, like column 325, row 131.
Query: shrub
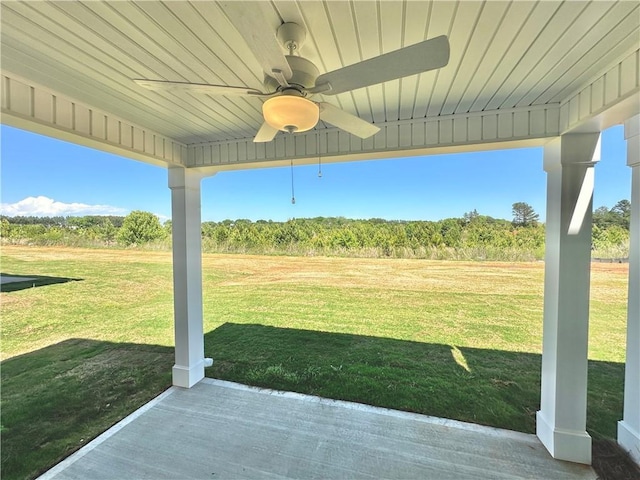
column 140, row 227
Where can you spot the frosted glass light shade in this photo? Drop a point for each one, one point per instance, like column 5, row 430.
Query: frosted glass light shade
column 291, row 113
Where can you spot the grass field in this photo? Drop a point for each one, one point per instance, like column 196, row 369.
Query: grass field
column 451, row 339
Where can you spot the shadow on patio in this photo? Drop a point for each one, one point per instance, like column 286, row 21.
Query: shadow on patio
column 56, row 399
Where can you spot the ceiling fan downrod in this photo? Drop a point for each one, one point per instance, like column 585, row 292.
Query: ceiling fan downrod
column 291, row 36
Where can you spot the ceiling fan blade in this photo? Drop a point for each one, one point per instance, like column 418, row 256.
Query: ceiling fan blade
column 421, row 57
column 249, row 19
column 199, row 87
column 345, row 121
column 266, row 133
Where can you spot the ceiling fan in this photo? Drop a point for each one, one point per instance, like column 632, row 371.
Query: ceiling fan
column 290, row 79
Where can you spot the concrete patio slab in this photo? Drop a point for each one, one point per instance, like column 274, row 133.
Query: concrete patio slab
column 219, row 430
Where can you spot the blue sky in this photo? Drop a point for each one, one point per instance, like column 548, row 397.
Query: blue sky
column 43, row 176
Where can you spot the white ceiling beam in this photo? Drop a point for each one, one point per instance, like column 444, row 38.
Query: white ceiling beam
column 40, row 110
column 447, row 134
column 609, row 100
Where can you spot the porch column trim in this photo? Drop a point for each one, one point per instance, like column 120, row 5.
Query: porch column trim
column 561, row 422
column 187, row 277
column 629, row 426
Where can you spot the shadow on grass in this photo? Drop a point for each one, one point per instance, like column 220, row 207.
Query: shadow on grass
column 489, row 387
column 13, row 283
column 56, row 399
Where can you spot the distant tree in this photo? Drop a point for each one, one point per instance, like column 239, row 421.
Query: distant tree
column 451, row 231
column 619, row 215
column 29, row 220
column 5, row 228
column 107, row 231
column 622, row 210
column 524, row 215
column 471, row 216
column 86, row 221
column 115, row 220
column 623, row 207
column 603, row 218
column 140, row 227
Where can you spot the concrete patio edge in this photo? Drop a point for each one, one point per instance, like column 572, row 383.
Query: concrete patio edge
column 416, row 451
column 78, row 454
column 473, row 427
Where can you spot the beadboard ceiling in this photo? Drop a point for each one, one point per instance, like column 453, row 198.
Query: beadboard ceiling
column 504, row 55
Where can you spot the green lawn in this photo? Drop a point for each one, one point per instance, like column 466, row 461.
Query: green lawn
column 451, row 339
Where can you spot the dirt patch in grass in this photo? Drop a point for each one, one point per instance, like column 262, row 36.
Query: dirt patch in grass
column 397, row 274
column 611, row 463
column 34, row 255
column 501, row 278
column 620, row 268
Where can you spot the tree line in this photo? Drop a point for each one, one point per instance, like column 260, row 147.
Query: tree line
column 473, row 236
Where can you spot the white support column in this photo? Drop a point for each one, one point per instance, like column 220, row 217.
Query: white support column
column 561, row 422
column 187, row 276
column 629, row 427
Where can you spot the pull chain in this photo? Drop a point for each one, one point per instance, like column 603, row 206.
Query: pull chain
column 293, row 197
column 319, row 156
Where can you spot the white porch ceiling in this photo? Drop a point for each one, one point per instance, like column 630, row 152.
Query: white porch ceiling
column 509, row 60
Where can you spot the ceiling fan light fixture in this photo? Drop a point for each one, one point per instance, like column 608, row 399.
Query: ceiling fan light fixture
column 291, row 113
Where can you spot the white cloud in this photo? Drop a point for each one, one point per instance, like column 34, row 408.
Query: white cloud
column 46, row 207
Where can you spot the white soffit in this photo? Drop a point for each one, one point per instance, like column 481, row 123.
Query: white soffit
column 518, row 70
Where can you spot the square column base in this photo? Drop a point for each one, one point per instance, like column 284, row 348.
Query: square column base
column 629, row 440
column 187, row 377
column 572, row 446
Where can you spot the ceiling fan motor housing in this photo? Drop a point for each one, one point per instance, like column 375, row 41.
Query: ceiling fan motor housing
column 304, row 75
